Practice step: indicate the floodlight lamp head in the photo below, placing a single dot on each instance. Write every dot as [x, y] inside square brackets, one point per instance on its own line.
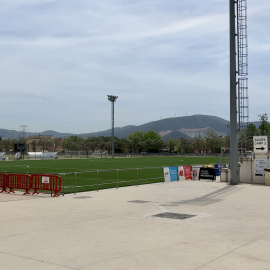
[112, 98]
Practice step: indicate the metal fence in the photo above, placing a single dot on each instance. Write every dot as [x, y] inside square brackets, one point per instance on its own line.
[75, 182]
[52, 155]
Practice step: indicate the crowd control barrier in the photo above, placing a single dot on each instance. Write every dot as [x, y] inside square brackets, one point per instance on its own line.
[3, 182]
[46, 182]
[19, 181]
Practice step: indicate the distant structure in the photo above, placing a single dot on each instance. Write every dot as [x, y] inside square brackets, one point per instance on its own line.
[23, 129]
[112, 99]
[238, 80]
[39, 143]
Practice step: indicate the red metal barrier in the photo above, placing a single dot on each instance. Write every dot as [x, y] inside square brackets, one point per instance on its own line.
[19, 181]
[3, 182]
[47, 182]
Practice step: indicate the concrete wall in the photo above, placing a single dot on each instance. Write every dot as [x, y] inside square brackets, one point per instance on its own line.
[247, 171]
[224, 175]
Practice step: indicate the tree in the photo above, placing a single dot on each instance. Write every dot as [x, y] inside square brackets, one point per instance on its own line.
[149, 141]
[105, 143]
[251, 131]
[73, 143]
[92, 143]
[8, 144]
[199, 143]
[136, 141]
[57, 143]
[212, 141]
[121, 145]
[153, 142]
[225, 141]
[264, 127]
[172, 145]
[45, 145]
[34, 145]
[246, 137]
[185, 145]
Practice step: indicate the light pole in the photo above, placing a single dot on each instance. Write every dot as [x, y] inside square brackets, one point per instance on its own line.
[233, 98]
[112, 99]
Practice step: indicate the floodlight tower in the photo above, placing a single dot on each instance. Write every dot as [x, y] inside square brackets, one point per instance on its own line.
[112, 99]
[24, 129]
[238, 81]
[233, 100]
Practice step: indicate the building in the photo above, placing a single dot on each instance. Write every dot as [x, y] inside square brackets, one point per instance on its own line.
[40, 143]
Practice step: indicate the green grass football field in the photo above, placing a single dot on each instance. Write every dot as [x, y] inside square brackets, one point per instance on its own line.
[93, 174]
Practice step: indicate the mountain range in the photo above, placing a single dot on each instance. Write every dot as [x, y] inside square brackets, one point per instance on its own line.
[175, 127]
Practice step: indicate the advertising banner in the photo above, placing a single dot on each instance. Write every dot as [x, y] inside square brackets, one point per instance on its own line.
[170, 173]
[181, 173]
[207, 173]
[195, 172]
[174, 173]
[187, 172]
[184, 172]
[166, 173]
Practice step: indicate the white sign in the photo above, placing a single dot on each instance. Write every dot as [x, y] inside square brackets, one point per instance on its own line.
[181, 173]
[45, 180]
[166, 172]
[195, 170]
[260, 165]
[260, 144]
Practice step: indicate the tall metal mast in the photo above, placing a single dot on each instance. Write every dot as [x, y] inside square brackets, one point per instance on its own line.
[238, 35]
[233, 99]
[112, 99]
[24, 129]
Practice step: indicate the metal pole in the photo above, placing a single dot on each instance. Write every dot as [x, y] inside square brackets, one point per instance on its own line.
[163, 175]
[117, 178]
[112, 129]
[233, 99]
[112, 99]
[137, 177]
[97, 178]
[64, 184]
[75, 183]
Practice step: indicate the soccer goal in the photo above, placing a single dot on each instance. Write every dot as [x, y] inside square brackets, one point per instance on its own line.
[103, 154]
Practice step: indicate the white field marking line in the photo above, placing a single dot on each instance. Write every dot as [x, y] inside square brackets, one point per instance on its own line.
[164, 209]
[202, 215]
[14, 166]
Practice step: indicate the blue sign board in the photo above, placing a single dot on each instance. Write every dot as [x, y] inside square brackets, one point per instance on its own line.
[174, 173]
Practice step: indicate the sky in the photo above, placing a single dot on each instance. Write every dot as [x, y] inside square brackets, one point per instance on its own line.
[162, 58]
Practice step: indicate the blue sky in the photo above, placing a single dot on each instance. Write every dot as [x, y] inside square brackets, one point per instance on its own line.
[61, 58]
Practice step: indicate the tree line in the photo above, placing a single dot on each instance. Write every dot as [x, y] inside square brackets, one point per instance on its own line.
[149, 142]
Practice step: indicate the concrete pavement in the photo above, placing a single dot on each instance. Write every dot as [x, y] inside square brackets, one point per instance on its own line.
[117, 229]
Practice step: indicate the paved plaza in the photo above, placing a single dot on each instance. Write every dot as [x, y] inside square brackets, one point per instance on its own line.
[177, 225]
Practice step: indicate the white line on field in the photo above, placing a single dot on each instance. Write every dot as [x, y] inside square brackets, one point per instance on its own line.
[162, 207]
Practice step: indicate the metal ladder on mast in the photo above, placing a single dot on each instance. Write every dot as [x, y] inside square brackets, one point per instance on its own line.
[243, 104]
